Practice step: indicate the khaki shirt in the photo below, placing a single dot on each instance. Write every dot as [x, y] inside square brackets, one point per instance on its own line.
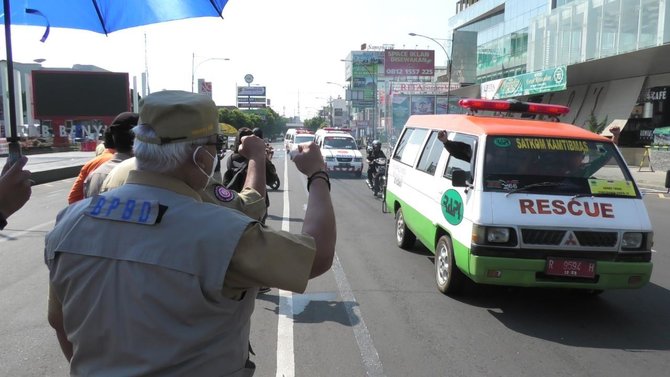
[248, 201]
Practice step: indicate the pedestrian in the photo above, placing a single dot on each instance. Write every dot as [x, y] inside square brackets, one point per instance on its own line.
[164, 284]
[248, 201]
[77, 191]
[122, 134]
[15, 188]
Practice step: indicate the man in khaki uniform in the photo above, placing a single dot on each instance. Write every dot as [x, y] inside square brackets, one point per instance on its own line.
[250, 201]
[163, 283]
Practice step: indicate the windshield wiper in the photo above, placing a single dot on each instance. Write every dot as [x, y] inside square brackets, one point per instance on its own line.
[581, 196]
[534, 185]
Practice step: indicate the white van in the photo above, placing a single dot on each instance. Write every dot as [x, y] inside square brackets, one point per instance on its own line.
[517, 202]
[297, 136]
[339, 150]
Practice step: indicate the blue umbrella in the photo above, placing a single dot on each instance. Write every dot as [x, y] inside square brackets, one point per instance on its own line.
[100, 16]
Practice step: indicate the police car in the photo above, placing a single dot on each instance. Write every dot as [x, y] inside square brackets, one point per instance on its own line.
[340, 151]
[509, 201]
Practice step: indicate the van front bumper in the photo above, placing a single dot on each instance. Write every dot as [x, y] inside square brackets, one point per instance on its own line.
[531, 273]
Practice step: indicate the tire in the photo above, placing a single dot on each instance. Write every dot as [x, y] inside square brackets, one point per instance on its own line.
[448, 277]
[403, 236]
[384, 207]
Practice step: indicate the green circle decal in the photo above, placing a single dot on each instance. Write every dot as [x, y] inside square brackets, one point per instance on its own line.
[452, 207]
[502, 142]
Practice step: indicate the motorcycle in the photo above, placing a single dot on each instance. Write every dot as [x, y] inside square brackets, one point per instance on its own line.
[378, 184]
[271, 177]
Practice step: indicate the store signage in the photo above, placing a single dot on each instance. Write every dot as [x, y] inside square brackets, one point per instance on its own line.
[548, 80]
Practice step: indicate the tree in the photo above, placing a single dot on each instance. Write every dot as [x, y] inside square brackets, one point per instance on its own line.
[594, 126]
[315, 123]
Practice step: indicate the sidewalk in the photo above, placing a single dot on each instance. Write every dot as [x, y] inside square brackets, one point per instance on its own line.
[648, 179]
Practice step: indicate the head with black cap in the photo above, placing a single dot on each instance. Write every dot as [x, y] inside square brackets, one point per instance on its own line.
[121, 131]
[177, 136]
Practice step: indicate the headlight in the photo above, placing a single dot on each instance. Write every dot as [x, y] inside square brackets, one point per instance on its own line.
[631, 240]
[483, 235]
[358, 159]
[330, 158]
[497, 235]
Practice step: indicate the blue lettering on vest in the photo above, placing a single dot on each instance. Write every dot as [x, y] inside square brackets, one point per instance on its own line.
[98, 205]
[112, 206]
[128, 210]
[144, 214]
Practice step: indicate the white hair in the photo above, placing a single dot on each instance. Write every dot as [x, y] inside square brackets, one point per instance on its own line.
[161, 158]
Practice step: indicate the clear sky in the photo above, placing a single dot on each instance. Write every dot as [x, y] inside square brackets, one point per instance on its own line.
[293, 47]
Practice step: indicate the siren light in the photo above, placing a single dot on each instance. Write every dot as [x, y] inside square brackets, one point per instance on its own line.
[513, 106]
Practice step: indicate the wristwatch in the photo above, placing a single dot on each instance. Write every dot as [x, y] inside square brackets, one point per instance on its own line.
[3, 221]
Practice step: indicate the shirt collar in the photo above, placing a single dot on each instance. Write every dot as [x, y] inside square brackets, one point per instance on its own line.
[162, 181]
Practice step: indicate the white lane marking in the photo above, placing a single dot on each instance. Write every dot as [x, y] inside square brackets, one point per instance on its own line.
[285, 353]
[369, 354]
[13, 236]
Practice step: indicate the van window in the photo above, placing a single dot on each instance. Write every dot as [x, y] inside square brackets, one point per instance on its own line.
[455, 163]
[409, 145]
[431, 154]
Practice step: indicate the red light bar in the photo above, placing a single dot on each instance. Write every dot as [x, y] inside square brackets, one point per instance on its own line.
[513, 106]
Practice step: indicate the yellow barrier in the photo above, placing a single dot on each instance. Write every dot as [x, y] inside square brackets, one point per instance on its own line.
[646, 156]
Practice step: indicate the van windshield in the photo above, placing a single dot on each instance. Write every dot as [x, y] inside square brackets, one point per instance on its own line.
[555, 166]
[299, 139]
[339, 142]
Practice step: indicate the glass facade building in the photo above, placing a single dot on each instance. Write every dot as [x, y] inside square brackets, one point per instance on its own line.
[583, 30]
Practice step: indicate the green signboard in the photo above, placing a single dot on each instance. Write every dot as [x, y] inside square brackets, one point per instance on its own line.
[548, 80]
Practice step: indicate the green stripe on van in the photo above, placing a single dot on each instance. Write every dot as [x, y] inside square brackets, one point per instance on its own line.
[426, 232]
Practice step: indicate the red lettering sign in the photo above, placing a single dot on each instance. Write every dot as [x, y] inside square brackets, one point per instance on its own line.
[560, 207]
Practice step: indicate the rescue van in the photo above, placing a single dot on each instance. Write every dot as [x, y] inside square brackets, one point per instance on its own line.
[297, 136]
[518, 202]
[339, 150]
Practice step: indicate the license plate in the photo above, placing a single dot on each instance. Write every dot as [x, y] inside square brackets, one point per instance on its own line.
[577, 268]
[344, 165]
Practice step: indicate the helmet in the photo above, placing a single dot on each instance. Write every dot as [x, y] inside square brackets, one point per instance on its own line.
[258, 132]
[376, 144]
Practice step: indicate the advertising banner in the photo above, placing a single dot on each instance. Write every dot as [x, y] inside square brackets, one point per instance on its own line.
[251, 91]
[400, 112]
[421, 87]
[422, 105]
[548, 80]
[409, 63]
[441, 105]
[364, 85]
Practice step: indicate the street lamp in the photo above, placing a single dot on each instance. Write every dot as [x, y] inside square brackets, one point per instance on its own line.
[448, 65]
[194, 67]
[374, 96]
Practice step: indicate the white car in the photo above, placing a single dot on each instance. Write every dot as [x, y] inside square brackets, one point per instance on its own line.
[340, 152]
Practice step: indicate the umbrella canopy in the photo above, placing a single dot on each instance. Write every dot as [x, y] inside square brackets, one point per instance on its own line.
[100, 16]
[106, 16]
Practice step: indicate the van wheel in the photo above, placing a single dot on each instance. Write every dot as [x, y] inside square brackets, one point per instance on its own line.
[403, 236]
[449, 278]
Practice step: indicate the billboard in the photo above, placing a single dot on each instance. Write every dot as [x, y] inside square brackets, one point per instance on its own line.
[409, 63]
[258, 91]
[79, 93]
[422, 105]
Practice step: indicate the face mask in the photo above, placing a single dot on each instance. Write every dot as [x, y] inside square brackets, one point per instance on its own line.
[215, 159]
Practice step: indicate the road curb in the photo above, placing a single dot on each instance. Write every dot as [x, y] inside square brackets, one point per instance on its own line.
[46, 176]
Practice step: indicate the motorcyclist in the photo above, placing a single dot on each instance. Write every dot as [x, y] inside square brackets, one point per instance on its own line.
[374, 153]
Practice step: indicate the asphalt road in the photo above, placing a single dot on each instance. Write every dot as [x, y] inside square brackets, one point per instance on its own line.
[377, 312]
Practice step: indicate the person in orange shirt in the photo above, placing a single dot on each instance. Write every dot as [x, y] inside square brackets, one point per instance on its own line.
[77, 191]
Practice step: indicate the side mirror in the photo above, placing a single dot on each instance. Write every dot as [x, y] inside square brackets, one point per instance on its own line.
[459, 178]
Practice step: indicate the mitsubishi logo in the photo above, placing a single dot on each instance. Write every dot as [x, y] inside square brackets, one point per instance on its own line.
[570, 240]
